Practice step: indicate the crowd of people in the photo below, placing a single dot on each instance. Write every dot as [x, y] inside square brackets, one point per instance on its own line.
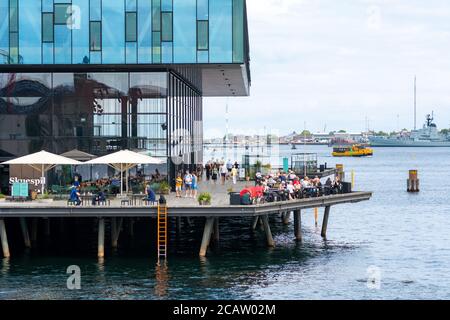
[288, 186]
[216, 170]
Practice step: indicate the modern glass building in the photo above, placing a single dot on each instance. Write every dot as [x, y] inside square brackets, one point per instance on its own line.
[105, 75]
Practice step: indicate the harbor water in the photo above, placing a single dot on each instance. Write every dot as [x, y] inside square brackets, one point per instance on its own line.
[395, 246]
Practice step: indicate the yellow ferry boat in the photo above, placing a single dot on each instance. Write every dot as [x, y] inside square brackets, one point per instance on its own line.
[355, 150]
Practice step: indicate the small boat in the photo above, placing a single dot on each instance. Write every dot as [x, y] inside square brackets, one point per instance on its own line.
[294, 147]
[355, 150]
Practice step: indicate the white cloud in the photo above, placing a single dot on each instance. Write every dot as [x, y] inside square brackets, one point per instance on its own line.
[337, 62]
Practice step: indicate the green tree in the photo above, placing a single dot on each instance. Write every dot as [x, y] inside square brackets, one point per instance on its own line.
[306, 133]
[342, 131]
[445, 131]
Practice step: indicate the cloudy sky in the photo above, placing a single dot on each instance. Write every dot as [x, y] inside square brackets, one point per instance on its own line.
[332, 64]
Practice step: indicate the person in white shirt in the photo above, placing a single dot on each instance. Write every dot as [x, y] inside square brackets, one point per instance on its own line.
[223, 173]
[234, 174]
[291, 189]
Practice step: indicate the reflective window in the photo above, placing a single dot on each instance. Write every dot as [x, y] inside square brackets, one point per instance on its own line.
[63, 45]
[220, 28]
[156, 15]
[47, 5]
[130, 5]
[4, 31]
[63, 14]
[30, 26]
[202, 9]
[238, 31]
[80, 33]
[95, 36]
[113, 35]
[202, 35]
[184, 31]
[166, 5]
[131, 27]
[47, 27]
[95, 10]
[156, 43]
[144, 32]
[166, 26]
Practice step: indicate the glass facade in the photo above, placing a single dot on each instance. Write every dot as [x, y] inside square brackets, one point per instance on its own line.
[153, 112]
[105, 75]
[122, 31]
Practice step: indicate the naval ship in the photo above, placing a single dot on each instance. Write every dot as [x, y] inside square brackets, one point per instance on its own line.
[428, 136]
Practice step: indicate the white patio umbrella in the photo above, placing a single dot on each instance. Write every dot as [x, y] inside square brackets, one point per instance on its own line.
[123, 161]
[42, 161]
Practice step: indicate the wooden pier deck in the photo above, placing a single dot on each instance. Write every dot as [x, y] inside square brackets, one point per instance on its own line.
[177, 208]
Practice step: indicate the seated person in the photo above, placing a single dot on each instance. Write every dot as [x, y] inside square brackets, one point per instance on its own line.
[290, 189]
[99, 197]
[246, 198]
[151, 196]
[336, 185]
[75, 196]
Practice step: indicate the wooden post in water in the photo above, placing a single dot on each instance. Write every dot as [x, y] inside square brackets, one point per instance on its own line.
[216, 230]
[117, 233]
[178, 223]
[209, 224]
[298, 225]
[34, 230]
[413, 181]
[47, 227]
[316, 216]
[101, 238]
[325, 221]
[265, 220]
[4, 239]
[113, 232]
[255, 223]
[26, 235]
[287, 216]
[131, 227]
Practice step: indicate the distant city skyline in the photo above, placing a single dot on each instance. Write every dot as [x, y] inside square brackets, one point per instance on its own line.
[339, 65]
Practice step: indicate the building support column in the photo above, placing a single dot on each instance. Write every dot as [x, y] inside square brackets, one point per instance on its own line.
[4, 239]
[101, 238]
[298, 225]
[265, 220]
[325, 221]
[25, 234]
[209, 224]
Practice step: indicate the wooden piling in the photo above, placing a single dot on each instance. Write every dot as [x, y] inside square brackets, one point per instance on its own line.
[325, 221]
[113, 232]
[209, 224]
[216, 230]
[287, 216]
[116, 233]
[47, 227]
[4, 239]
[298, 225]
[255, 222]
[178, 223]
[34, 229]
[413, 182]
[101, 238]
[316, 216]
[131, 227]
[25, 234]
[269, 237]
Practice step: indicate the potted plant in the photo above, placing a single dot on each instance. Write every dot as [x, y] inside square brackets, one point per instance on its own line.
[204, 199]
[44, 198]
[164, 187]
[2, 197]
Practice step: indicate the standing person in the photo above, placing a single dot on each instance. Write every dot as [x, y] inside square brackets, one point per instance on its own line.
[215, 173]
[188, 184]
[236, 165]
[234, 174]
[194, 185]
[208, 170]
[178, 185]
[223, 173]
[229, 166]
[75, 196]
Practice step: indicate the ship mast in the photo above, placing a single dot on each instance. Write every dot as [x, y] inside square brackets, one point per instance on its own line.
[415, 103]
